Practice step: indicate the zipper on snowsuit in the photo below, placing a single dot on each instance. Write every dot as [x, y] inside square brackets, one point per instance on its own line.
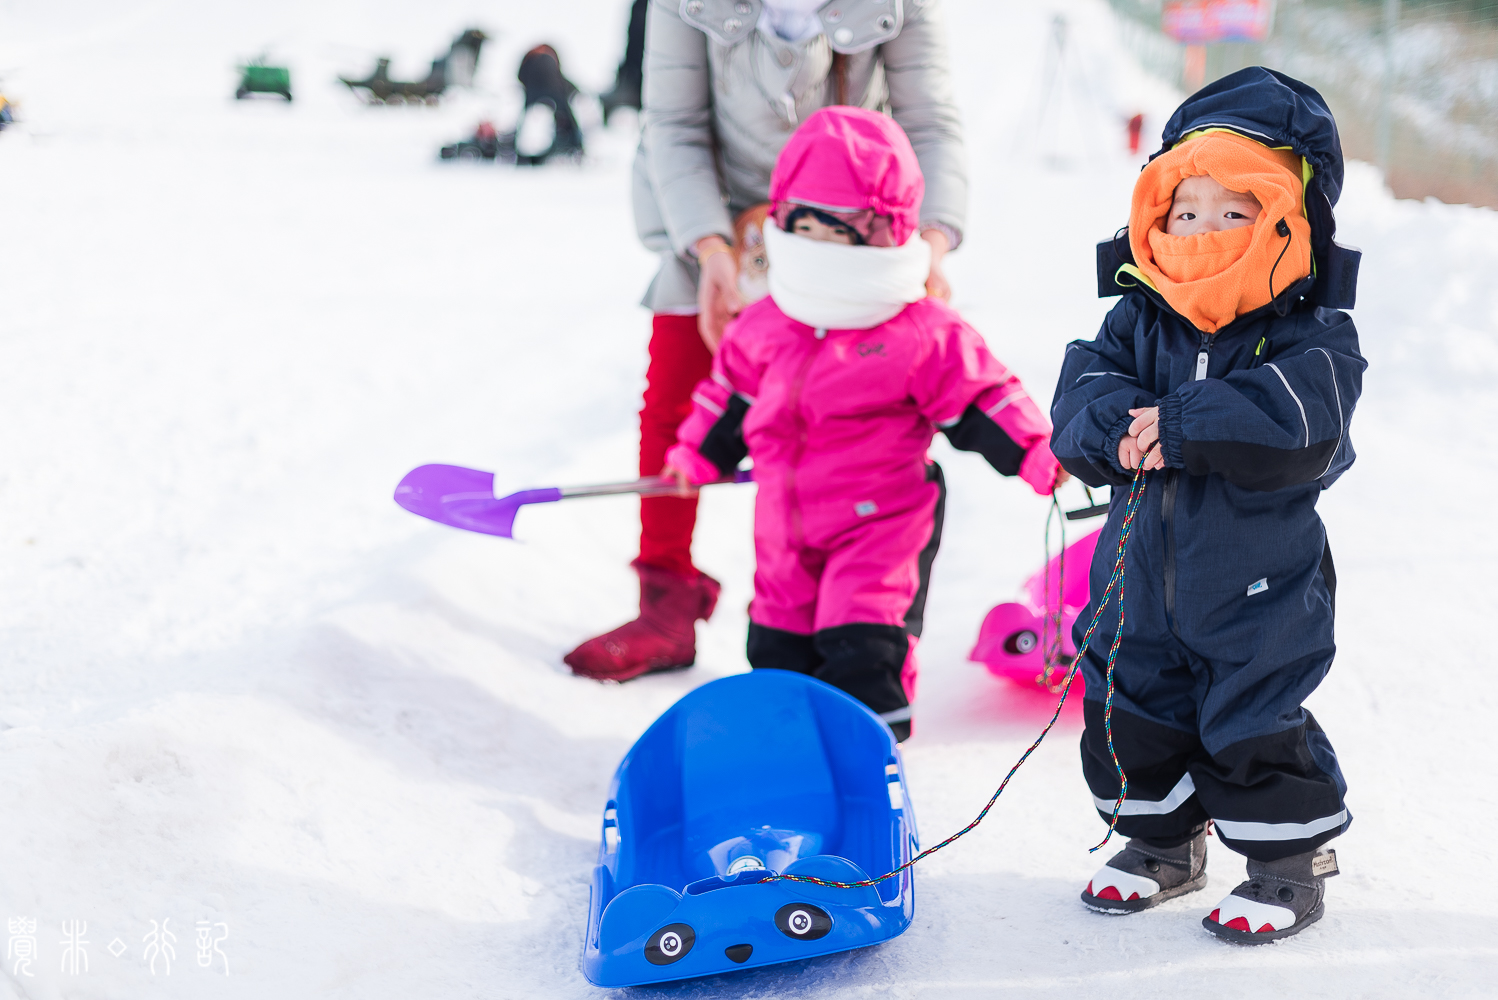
[1168, 501]
[1167, 526]
[1261, 353]
[793, 497]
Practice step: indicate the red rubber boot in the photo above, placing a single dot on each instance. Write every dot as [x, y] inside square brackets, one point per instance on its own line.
[664, 637]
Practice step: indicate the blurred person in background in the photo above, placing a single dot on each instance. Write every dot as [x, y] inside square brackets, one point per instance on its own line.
[540, 74]
[626, 90]
[726, 82]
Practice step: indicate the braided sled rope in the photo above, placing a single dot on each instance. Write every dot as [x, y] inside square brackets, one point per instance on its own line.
[1050, 628]
[1136, 494]
[1131, 507]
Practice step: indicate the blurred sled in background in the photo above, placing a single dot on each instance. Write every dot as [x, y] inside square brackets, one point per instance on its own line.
[455, 69]
[486, 143]
[256, 77]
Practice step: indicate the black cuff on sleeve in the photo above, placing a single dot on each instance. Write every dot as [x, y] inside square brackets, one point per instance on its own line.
[976, 431]
[724, 445]
[1169, 429]
[1117, 433]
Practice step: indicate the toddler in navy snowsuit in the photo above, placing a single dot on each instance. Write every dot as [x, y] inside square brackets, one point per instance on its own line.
[1229, 373]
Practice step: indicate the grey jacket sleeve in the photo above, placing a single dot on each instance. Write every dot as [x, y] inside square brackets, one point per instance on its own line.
[678, 133]
[920, 98]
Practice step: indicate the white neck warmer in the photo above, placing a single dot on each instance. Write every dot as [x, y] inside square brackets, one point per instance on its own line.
[838, 287]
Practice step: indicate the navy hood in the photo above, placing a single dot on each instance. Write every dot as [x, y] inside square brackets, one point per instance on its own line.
[1278, 110]
[1273, 108]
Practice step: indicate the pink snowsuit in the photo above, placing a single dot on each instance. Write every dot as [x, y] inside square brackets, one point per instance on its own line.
[838, 423]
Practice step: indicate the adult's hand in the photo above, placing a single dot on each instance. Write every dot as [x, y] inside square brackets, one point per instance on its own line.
[717, 289]
[936, 281]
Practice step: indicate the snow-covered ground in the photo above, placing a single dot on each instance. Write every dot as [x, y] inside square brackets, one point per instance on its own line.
[241, 686]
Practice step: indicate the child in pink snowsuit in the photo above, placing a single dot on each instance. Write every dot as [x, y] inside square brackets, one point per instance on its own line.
[835, 385]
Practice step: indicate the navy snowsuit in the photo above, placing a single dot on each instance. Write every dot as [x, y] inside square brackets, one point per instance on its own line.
[1230, 587]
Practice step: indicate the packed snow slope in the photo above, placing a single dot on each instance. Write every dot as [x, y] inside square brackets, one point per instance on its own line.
[241, 686]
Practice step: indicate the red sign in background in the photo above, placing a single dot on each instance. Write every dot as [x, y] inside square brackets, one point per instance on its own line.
[1203, 22]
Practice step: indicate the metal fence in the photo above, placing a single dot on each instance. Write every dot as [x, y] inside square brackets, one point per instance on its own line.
[1413, 83]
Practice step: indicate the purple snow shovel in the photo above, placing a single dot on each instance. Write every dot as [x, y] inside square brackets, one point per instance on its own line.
[464, 498]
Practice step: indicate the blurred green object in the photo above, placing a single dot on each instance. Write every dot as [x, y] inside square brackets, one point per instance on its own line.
[258, 78]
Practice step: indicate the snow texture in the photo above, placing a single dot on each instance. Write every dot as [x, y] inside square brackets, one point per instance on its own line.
[240, 685]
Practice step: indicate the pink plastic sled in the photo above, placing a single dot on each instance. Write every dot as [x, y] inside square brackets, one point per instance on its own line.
[1010, 641]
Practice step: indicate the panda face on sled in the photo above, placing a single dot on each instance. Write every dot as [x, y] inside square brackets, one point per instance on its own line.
[652, 933]
[798, 921]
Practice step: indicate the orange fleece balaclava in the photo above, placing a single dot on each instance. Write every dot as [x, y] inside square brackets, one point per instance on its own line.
[1213, 278]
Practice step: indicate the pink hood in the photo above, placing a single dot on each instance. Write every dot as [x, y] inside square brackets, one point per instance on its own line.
[846, 159]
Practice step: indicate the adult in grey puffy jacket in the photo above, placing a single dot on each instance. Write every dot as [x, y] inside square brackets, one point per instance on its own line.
[726, 83]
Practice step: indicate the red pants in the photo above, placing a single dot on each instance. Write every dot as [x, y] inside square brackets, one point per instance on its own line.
[678, 361]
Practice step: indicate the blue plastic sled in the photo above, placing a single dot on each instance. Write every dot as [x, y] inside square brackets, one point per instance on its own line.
[764, 772]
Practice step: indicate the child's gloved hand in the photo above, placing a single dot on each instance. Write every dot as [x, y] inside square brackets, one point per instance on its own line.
[1143, 432]
[1041, 470]
[686, 465]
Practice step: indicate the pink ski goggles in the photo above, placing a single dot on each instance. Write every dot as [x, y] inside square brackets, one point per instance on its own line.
[872, 228]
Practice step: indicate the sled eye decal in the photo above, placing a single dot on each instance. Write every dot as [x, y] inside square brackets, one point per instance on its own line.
[1021, 642]
[669, 944]
[802, 921]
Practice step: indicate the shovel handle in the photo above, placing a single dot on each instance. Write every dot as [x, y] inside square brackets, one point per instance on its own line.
[650, 486]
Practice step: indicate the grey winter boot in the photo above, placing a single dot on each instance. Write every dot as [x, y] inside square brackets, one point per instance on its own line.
[1143, 875]
[1279, 899]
